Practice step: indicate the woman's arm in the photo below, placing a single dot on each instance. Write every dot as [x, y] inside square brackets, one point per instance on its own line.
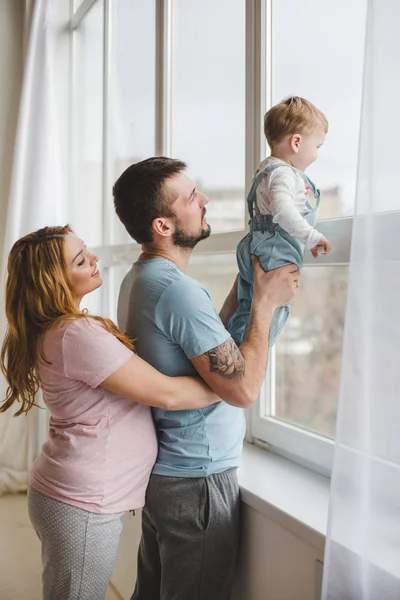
[139, 381]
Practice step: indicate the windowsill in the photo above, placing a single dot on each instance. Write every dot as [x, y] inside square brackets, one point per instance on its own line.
[291, 495]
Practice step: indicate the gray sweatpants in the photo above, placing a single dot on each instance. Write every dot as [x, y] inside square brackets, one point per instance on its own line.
[190, 531]
[79, 548]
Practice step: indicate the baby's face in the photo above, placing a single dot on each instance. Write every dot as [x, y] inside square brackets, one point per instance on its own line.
[307, 149]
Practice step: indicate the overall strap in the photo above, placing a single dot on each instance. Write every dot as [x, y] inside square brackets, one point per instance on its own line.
[315, 190]
[252, 197]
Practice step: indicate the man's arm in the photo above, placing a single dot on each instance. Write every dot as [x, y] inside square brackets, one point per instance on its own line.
[230, 304]
[236, 374]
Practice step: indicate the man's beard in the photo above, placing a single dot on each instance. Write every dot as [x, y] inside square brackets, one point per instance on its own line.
[181, 239]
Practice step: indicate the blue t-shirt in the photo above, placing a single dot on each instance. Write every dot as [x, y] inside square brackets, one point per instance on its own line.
[172, 320]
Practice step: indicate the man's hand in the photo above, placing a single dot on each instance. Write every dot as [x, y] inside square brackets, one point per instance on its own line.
[276, 287]
[324, 245]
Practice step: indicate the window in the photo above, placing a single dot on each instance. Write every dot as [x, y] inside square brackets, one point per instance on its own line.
[87, 138]
[216, 273]
[86, 209]
[173, 78]
[296, 413]
[157, 78]
[208, 103]
[317, 53]
[132, 94]
[308, 355]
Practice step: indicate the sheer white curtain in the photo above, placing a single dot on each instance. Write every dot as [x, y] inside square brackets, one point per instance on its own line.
[362, 560]
[36, 199]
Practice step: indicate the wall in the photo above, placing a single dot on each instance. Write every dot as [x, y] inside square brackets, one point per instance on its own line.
[12, 14]
[124, 575]
[274, 564]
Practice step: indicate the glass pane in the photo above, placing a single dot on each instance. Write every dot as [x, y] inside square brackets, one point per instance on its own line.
[86, 211]
[77, 4]
[318, 53]
[309, 351]
[216, 273]
[115, 277]
[133, 114]
[208, 103]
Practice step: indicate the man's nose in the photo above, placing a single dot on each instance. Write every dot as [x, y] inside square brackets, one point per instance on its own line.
[204, 200]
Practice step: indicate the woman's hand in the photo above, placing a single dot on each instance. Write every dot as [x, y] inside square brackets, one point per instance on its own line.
[140, 382]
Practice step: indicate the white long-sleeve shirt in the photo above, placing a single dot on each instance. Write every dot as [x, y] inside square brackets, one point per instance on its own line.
[283, 194]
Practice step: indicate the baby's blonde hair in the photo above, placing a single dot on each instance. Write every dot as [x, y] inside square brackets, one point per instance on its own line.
[292, 115]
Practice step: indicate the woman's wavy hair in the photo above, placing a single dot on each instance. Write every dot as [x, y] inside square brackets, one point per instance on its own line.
[39, 297]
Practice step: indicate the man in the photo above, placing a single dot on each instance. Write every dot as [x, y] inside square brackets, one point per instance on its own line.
[190, 523]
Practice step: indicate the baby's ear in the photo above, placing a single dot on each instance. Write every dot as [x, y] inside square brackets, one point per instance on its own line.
[295, 140]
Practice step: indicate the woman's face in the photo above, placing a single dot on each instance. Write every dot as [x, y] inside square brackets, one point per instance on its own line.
[82, 266]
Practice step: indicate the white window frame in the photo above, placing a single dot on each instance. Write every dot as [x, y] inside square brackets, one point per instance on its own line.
[309, 449]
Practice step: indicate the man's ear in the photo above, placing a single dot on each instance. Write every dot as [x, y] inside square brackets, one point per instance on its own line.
[295, 142]
[162, 226]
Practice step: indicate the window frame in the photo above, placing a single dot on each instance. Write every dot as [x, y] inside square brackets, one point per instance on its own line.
[309, 449]
[304, 447]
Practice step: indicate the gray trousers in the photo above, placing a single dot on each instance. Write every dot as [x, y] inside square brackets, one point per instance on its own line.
[190, 531]
[79, 548]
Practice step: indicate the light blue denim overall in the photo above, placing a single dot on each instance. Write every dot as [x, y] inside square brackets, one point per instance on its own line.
[274, 247]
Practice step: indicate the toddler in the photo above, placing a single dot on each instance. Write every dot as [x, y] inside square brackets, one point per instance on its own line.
[282, 204]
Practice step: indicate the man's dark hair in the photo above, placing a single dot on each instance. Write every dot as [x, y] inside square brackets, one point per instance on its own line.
[139, 197]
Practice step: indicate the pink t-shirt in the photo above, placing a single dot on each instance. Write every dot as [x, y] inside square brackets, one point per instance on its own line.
[101, 447]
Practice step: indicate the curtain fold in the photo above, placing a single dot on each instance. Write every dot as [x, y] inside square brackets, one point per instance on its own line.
[362, 557]
[36, 199]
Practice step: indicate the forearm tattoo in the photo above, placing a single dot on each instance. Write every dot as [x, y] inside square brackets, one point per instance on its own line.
[226, 360]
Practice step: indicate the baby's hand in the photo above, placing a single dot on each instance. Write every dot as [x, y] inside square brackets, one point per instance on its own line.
[325, 246]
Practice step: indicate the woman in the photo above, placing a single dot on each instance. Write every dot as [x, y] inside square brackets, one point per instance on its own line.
[102, 443]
